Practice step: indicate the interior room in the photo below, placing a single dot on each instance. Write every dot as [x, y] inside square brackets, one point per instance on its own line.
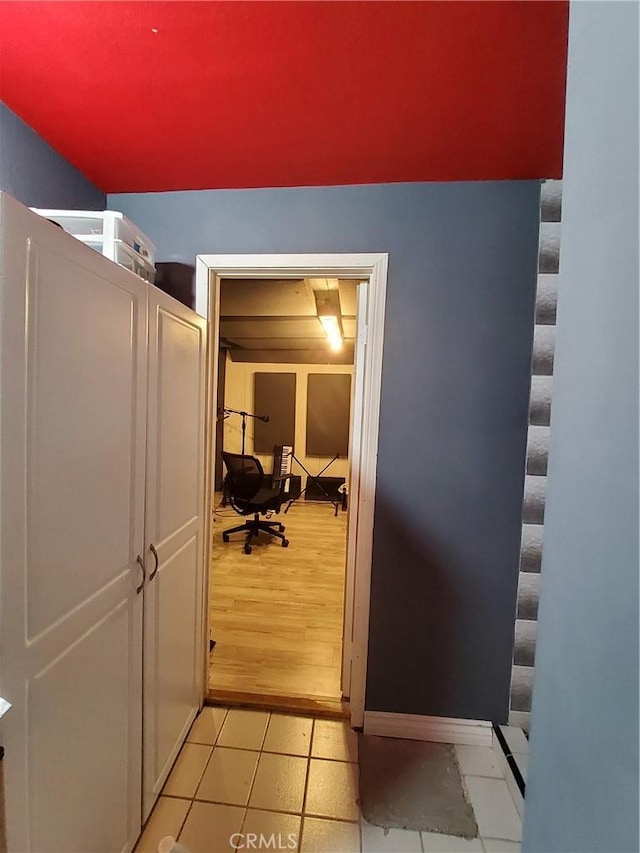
[405, 619]
[286, 360]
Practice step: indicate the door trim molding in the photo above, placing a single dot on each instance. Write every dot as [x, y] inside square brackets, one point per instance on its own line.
[210, 269]
[436, 729]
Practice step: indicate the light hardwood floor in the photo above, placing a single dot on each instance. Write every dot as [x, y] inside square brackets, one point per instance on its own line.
[277, 614]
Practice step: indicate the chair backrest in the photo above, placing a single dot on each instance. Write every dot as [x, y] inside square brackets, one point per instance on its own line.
[246, 476]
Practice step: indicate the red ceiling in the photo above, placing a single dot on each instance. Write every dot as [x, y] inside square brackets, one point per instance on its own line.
[249, 94]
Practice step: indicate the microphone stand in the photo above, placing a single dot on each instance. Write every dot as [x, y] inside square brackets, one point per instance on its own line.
[245, 415]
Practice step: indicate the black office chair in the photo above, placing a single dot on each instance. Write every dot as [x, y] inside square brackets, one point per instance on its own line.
[248, 496]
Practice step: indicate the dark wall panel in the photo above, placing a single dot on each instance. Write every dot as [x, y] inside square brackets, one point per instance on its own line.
[274, 396]
[454, 409]
[328, 407]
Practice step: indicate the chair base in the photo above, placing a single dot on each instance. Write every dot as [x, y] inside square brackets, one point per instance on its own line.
[254, 528]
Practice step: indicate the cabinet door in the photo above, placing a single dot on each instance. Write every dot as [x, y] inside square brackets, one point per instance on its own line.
[72, 426]
[173, 627]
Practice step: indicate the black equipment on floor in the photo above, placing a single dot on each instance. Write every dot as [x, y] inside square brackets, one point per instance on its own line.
[314, 478]
[325, 489]
[248, 495]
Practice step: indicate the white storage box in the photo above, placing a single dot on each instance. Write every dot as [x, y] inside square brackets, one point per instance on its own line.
[126, 257]
[110, 233]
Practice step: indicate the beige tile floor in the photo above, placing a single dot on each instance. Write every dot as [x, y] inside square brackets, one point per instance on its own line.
[251, 780]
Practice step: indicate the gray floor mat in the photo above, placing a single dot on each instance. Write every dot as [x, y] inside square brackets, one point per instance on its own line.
[409, 784]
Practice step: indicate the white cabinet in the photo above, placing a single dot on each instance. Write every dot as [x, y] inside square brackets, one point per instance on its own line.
[101, 397]
[174, 529]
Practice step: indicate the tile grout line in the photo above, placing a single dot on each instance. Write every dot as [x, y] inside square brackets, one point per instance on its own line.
[330, 818]
[495, 837]
[306, 782]
[212, 747]
[173, 766]
[188, 812]
[266, 729]
[485, 776]
[271, 811]
[182, 825]
[503, 778]
[193, 796]
[280, 752]
[255, 774]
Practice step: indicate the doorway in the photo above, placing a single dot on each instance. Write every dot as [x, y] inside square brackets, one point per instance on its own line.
[242, 587]
[284, 397]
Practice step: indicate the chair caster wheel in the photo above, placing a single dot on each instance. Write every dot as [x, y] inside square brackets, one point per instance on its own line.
[281, 528]
[225, 538]
[247, 549]
[285, 543]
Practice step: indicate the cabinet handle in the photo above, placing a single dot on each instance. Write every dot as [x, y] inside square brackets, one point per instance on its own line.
[152, 548]
[144, 574]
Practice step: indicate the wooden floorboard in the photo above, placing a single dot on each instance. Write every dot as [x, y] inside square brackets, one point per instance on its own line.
[277, 613]
[329, 708]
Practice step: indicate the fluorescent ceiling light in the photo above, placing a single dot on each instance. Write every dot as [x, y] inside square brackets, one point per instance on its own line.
[331, 325]
[328, 309]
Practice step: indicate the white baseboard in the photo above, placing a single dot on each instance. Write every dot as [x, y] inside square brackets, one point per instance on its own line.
[437, 729]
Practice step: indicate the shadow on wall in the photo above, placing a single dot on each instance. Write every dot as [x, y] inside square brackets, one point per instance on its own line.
[421, 572]
[178, 280]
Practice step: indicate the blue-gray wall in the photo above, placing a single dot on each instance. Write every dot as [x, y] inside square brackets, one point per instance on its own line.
[582, 793]
[453, 425]
[34, 173]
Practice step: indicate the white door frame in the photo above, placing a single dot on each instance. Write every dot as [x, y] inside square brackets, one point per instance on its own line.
[210, 269]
